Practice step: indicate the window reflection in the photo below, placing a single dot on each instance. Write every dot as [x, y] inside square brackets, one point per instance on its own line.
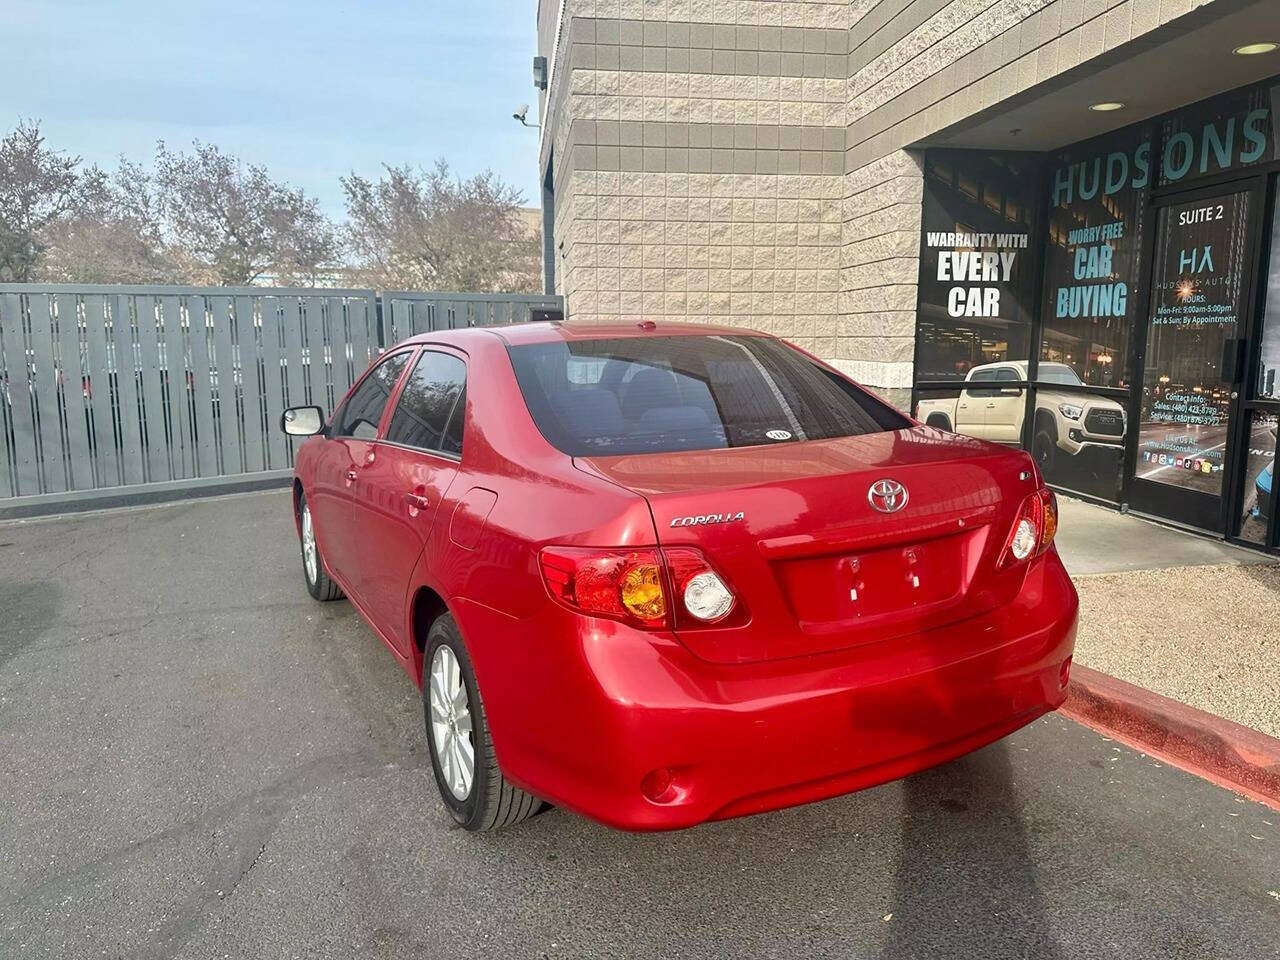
[1259, 477]
[1077, 438]
[1269, 356]
[979, 263]
[1093, 270]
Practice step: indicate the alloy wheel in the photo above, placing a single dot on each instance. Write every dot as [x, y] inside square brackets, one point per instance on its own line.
[450, 714]
[310, 556]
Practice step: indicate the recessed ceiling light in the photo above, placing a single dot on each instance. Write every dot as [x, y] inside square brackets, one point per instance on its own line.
[1106, 106]
[1253, 49]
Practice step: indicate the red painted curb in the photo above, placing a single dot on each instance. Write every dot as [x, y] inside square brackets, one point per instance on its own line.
[1234, 756]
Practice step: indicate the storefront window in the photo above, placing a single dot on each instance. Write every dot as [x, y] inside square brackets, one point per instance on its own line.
[977, 263]
[1093, 256]
[990, 406]
[1131, 248]
[1077, 437]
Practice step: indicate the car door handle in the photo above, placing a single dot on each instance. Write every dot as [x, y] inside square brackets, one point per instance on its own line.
[351, 476]
[417, 501]
[991, 406]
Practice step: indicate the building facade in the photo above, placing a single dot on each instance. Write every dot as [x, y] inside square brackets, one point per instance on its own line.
[1072, 199]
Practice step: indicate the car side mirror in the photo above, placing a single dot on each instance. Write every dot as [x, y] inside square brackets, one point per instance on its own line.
[1010, 391]
[302, 421]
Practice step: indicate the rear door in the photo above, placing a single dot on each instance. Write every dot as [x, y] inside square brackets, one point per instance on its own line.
[971, 408]
[403, 484]
[1005, 407]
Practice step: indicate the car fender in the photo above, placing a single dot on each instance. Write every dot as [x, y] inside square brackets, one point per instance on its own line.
[422, 578]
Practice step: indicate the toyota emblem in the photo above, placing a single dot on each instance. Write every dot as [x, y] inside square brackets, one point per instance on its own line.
[887, 496]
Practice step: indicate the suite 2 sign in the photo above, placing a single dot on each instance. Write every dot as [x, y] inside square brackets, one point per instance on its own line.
[978, 266]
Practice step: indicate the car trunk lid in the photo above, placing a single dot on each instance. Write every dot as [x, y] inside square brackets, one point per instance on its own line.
[791, 528]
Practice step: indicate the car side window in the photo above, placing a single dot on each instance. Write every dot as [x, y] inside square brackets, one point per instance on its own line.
[983, 377]
[1006, 375]
[363, 410]
[429, 413]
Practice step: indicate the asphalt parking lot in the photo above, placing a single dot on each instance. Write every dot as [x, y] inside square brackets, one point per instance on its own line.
[199, 761]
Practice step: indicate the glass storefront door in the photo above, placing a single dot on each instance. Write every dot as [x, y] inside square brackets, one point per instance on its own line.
[1255, 516]
[1194, 357]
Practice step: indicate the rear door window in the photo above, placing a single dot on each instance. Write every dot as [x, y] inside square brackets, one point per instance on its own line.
[661, 394]
[981, 380]
[430, 403]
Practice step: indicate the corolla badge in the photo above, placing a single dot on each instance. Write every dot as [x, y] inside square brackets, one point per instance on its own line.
[887, 496]
[707, 518]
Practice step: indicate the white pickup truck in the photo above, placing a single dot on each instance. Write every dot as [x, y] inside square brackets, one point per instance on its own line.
[1066, 422]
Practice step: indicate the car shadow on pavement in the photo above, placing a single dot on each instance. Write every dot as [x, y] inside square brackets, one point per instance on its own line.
[966, 883]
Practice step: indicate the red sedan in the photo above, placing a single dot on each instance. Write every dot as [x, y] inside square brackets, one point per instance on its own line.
[666, 574]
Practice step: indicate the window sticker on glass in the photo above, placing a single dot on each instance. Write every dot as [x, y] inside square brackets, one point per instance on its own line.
[779, 434]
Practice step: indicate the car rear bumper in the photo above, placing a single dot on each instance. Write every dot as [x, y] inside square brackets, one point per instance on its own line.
[616, 710]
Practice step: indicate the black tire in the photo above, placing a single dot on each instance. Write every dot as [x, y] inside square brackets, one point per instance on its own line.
[317, 580]
[490, 802]
[1044, 447]
[938, 421]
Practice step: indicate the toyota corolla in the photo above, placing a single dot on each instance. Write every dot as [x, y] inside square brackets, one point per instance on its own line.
[666, 574]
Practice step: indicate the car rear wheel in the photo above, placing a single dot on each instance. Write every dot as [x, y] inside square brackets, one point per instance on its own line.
[318, 583]
[462, 756]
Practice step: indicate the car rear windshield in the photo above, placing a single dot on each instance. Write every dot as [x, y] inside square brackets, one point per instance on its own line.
[662, 394]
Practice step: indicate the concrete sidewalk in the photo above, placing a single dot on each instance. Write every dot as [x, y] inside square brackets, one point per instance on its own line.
[1190, 618]
[1093, 540]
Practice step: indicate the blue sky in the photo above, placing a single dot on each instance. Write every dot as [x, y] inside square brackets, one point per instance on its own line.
[310, 88]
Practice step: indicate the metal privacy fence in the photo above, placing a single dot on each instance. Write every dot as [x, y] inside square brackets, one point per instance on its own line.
[106, 388]
[405, 314]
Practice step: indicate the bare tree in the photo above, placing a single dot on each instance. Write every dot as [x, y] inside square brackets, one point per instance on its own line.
[114, 234]
[37, 188]
[424, 229]
[237, 224]
[307, 246]
[206, 217]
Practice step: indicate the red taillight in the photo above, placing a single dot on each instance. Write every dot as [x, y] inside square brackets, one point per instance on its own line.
[618, 584]
[631, 585]
[1034, 528]
[1050, 530]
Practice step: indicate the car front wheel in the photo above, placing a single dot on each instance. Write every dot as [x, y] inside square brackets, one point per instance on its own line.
[1044, 447]
[318, 583]
[462, 756]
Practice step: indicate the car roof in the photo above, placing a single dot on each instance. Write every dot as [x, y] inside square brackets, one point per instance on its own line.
[521, 333]
[560, 332]
[1019, 364]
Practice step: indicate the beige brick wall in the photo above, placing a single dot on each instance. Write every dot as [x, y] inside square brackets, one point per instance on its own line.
[758, 250]
[790, 13]
[703, 169]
